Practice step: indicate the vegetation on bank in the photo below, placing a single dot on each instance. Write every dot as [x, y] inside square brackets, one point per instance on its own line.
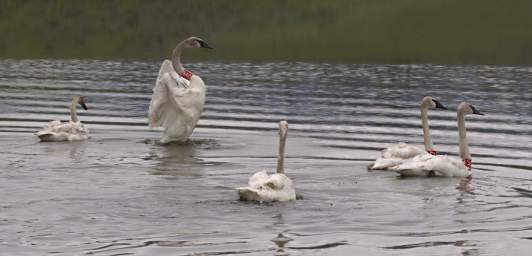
[359, 31]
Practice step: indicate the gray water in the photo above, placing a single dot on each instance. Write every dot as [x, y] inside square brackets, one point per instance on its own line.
[121, 194]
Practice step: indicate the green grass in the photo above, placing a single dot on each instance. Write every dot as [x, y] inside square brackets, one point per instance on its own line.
[363, 31]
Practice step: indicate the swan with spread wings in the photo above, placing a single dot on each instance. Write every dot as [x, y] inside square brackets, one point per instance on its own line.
[178, 96]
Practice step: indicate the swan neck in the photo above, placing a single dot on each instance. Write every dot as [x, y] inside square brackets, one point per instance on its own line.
[464, 147]
[426, 132]
[176, 58]
[280, 156]
[73, 115]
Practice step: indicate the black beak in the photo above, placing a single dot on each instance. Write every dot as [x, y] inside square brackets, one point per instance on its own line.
[438, 104]
[475, 111]
[204, 44]
[84, 106]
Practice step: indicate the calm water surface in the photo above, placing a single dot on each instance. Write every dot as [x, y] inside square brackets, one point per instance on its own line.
[121, 194]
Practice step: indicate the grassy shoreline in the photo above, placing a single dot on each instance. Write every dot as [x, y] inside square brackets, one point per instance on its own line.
[358, 31]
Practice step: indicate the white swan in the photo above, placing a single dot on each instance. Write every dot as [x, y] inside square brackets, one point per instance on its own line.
[73, 130]
[395, 154]
[275, 187]
[178, 96]
[446, 166]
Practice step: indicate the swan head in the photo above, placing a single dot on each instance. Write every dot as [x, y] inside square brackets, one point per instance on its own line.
[468, 109]
[196, 42]
[283, 129]
[81, 102]
[430, 102]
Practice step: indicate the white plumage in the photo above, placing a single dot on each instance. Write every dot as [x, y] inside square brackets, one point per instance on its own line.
[428, 165]
[396, 154]
[68, 131]
[268, 188]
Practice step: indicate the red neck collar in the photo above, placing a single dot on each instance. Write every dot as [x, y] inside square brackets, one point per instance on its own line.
[186, 74]
[467, 163]
[432, 152]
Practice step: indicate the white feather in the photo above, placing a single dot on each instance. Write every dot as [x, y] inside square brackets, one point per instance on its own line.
[428, 165]
[395, 155]
[268, 188]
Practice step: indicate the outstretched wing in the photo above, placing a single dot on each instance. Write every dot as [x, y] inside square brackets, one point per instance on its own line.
[170, 102]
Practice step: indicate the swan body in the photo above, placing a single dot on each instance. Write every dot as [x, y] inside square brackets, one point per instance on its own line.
[268, 188]
[72, 130]
[428, 165]
[264, 187]
[68, 131]
[396, 154]
[178, 96]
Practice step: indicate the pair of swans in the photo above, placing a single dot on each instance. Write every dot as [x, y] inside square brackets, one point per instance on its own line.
[72, 130]
[394, 155]
[411, 161]
[176, 104]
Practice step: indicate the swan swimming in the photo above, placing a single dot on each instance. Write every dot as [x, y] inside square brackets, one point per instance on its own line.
[395, 154]
[71, 131]
[178, 96]
[430, 165]
[270, 188]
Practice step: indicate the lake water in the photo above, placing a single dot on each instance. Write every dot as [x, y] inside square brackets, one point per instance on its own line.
[121, 194]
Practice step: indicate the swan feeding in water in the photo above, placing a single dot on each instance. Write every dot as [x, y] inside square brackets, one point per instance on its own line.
[71, 131]
[430, 165]
[269, 188]
[178, 96]
[395, 154]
